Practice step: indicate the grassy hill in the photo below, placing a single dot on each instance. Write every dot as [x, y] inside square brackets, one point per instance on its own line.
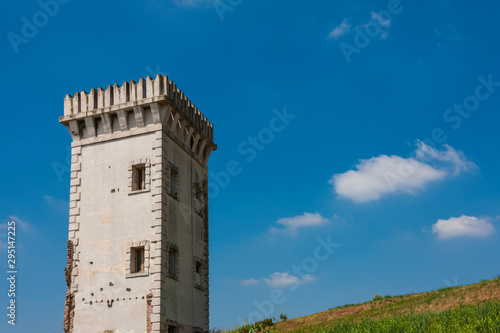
[471, 308]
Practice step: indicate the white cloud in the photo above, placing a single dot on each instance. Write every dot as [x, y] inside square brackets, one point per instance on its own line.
[383, 175]
[453, 161]
[23, 225]
[249, 282]
[192, 3]
[283, 280]
[385, 22]
[462, 226]
[57, 204]
[340, 30]
[292, 224]
[379, 25]
[4, 229]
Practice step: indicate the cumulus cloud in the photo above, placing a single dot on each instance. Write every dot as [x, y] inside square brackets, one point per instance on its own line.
[462, 226]
[249, 282]
[382, 175]
[293, 224]
[340, 30]
[283, 280]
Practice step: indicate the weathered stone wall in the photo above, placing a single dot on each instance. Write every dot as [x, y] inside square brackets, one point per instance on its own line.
[69, 304]
[114, 219]
[186, 229]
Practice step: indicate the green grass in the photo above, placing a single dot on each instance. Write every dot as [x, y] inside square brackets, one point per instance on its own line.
[466, 319]
[453, 309]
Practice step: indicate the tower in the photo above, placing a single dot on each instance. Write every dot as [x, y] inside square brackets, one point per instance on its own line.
[138, 224]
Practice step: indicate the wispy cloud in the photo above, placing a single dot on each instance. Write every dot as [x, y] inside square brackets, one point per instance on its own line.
[384, 22]
[57, 204]
[462, 226]
[452, 161]
[340, 30]
[378, 25]
[383, 175]
[449, 32]
[280, 280]
[283, 280]
[192, 3]
[249, 282]
[20, 224]
[293, 224]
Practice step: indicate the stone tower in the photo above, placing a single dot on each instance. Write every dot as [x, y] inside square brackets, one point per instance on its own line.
[138, 224]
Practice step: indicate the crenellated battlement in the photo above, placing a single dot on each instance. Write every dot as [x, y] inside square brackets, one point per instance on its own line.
[131, 94]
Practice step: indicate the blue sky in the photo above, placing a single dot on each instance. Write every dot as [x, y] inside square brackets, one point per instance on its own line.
[359, 135]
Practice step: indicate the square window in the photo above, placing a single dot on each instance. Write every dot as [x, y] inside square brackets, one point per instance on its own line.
[139, 177]
[137, 260]
[172, 329]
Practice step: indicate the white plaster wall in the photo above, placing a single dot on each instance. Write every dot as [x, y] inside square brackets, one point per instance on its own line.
[109, 222]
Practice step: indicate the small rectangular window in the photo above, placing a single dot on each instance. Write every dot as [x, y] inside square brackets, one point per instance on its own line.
[172, 329]
[172, 262]
[138, 260]
[173, 182]
[198, 267]
[199, 193]
[139, 177]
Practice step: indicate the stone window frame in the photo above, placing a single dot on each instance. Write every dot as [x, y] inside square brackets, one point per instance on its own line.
[129, 259]
[172, 246]
[198, 205]
[146, 163]
[196, 275]
[173, 167]
[172, 326]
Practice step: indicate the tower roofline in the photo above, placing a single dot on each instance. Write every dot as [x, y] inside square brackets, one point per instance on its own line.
[131, 94]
